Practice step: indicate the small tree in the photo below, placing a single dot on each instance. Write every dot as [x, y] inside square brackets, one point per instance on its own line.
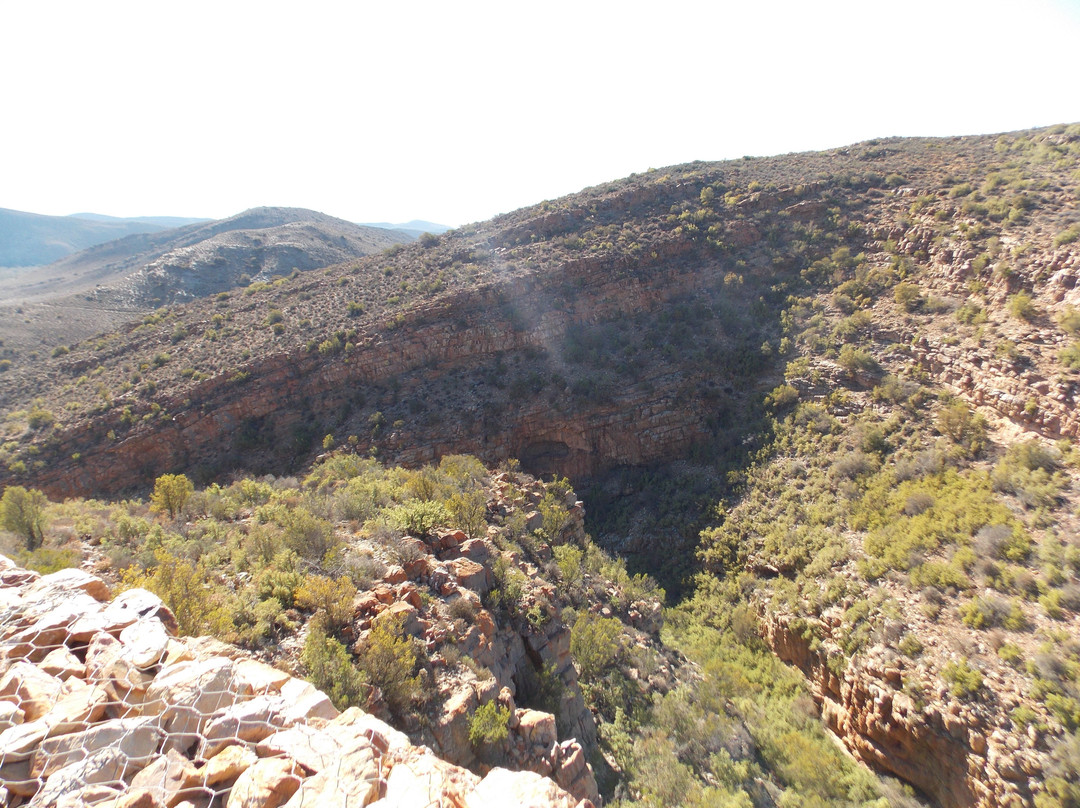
[388, 660]
[184, 588]
[489, 724]
[23, 512]
[330, 668]
[171, 492]
[595, 644]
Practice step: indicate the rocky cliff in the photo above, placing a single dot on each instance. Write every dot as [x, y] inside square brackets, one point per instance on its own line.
[978, 758]
[101, 704]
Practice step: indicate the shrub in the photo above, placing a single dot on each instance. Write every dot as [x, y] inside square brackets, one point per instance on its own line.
[1070, 320]
[309, 536]
[910, 645]
[489, 724]
[782, 397]
[468, 511]
[330, 668]
[50, 559]
[987, 612]
[1067, 236]
[419, 518]
[963, 679]
[185, 589]
[388, 660]
[1021, 306]
[22, 512]
[855, 360]
[907, 296]
[1070, 356]
[595, 644]
[1031, 471]
[328, 597]
[963, 427]
[171, 493]
[40, 418]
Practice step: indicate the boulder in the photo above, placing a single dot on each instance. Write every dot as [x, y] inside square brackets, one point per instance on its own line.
[66, 583]
[260, 677]
[470, 574]
[401, 611]
[169, 778]
[103, 766]
[537, 728]
[145, 642]
[107, 665]
[229, 764]
[244, 722]
[30, 689]
[352, 781]
[10, 715]
[186, 694]
[417, 777]
[303, 700]
[63, 664]
[312, 748]
[268, 783]
[502, 788]
[356, 722]
[138, 739]
[76, 710]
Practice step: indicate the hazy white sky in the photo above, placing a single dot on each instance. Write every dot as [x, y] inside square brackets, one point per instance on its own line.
[456, 111]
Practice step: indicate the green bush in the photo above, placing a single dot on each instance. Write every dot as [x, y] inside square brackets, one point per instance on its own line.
[965, 428]
[963, 679]
[855, 360]
[388, 659]
[489, 724]
[1070, 356]
[595, 644]
[329, 667]
[328, 597]
[1022, 307]
[907, 296]
[171, 492]
[419, 518]
[1069, 320]
[186, 589]
[22, 512]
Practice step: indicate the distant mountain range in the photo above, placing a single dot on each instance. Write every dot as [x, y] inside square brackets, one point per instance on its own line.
[415, 227]
[106, 284]
[31, 239]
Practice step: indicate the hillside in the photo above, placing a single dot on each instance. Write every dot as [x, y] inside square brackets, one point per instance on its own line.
[31, 239]
[828, 399]
[120, 281]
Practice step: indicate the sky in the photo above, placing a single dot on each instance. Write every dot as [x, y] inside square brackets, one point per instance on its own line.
[454, 112]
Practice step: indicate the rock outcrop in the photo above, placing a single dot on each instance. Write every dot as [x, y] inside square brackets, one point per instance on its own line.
[978, 760]
[102, 704]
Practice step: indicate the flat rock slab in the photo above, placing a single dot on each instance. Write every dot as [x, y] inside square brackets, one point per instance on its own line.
[138, 739]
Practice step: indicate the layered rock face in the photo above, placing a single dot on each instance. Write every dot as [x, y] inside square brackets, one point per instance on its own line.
[101, 704]
[957, 753]
[444, 359]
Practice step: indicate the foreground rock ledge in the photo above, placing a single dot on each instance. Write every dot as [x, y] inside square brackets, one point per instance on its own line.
[101, 704]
